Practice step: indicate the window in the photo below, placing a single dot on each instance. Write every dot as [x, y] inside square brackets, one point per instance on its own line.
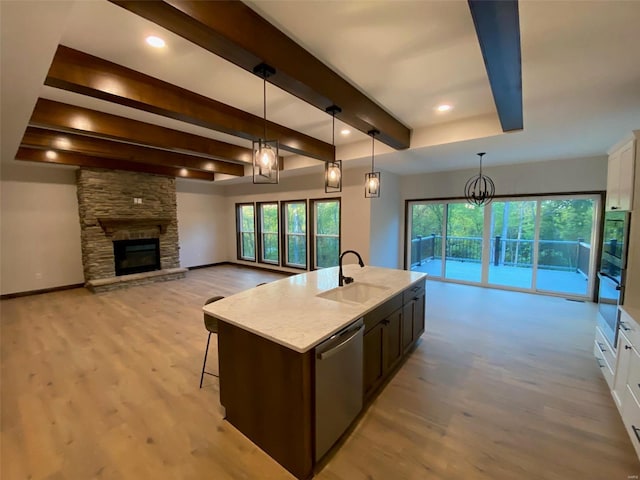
[269, 249]
[246, 228]
[294, 215]
[326, 233]
[306, 238]
[539, 244]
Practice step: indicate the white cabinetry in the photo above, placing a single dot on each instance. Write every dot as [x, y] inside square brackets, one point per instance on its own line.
[626, 383]
[625, 352]
[620, 173]
[605, 356]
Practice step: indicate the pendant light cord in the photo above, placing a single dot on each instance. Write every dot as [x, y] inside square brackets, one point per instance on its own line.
[373, 142]
[264, 96]
[333, 132]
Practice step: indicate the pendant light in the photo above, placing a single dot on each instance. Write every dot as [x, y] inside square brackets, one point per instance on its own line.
[372, 179]
[265, 152]
[333, 170]
[479, 189]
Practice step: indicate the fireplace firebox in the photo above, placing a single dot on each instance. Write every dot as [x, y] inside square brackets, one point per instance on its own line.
[136, 256]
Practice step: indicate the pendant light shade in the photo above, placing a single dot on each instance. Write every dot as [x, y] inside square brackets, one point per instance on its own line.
[333, 170]
[480, 189]
[372, 179]
[266, 168]
[333, 177]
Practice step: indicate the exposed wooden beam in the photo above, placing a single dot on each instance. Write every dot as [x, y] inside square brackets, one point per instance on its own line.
[99, 147]
[80, 160]
[497, 25]
[88, 75]
[65, 117]
[233, 31]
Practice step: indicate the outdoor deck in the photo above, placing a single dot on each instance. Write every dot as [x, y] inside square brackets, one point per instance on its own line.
[557, 281]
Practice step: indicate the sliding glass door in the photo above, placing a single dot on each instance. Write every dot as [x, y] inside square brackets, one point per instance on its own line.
[511, 243]
[533, 244]
[425, 250]
[465, 227]
[566, 227]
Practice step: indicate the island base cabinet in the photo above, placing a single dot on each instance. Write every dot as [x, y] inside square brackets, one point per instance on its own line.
[412, 320]
[393, 350]
[391, 331]
[373, 348]
[267, 392]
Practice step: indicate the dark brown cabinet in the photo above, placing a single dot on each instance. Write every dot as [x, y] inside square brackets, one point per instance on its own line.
[391, 330]
[393, 339]
[413, 316]
[373, 348]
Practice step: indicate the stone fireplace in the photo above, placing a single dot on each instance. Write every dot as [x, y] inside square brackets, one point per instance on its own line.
[129, 228]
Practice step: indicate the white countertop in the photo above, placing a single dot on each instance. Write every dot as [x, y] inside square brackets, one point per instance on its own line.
[634, 313]
[288, 311]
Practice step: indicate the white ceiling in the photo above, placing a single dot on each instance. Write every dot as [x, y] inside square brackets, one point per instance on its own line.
[581, 74]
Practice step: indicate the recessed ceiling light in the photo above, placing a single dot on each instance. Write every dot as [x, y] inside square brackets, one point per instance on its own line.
[51, 155]
[155, 42]
[62, 143]
[345, 131]
[444, 107]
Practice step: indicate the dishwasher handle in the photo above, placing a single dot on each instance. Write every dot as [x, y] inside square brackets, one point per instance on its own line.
[341, 346]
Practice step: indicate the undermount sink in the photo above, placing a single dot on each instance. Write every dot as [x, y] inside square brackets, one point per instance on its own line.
[353, 293]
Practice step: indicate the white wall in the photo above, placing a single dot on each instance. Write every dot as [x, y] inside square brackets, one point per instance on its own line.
[39, 228]
[355, 209]
[574, 175]
[202, 223]
[40, 232]
[386, 224]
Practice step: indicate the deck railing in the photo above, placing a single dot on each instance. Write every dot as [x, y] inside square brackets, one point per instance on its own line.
[552, 254]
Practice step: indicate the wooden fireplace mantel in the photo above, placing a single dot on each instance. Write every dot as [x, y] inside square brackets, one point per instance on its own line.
[113, 224]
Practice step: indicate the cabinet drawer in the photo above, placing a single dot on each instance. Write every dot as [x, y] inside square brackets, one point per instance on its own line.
[633, 380]
[413, 291]
[380, 313]
[630, 328]
[607, 371]
[631, 419]
[605, 349]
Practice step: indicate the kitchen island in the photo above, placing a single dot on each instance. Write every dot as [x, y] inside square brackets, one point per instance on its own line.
[268, 341]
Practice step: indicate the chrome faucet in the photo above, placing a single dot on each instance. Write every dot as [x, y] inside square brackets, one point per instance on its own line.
[341, 278]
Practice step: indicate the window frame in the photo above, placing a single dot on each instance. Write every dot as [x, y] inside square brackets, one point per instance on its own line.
[260, 233]
[239, 232]
[284, 234]
[597, 197]
[312, 228]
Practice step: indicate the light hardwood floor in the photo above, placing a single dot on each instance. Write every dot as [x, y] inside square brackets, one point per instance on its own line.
[502, 386]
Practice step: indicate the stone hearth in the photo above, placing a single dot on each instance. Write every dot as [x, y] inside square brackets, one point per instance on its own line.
[109, 212]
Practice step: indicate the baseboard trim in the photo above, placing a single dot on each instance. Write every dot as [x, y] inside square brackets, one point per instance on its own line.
[265, 269]
[217, 264]
[7, 296]
[252, 267]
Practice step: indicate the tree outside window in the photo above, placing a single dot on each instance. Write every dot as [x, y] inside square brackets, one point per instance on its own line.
[326, 233]
[269, 233]
[246, 232]
[295, 218]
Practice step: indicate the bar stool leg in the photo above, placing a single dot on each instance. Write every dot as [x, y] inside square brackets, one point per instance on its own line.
[204, 364]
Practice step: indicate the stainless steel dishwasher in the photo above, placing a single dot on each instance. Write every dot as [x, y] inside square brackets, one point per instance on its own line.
[338, 384]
